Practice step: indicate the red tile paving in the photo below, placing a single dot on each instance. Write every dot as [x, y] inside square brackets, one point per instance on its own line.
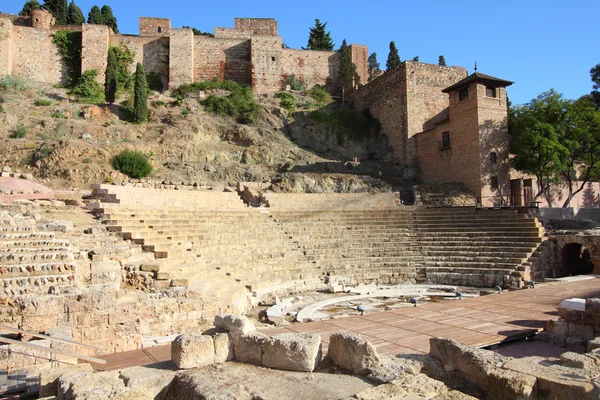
[480, 321]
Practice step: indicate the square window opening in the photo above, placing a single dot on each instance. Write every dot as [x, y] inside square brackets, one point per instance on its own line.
[159, 29]
[446, 140]
[490, 91]
[493, 158]
[494, 182]
[463, 94]
[272, 58]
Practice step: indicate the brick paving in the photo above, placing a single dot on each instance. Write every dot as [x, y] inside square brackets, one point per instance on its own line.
[480, 321]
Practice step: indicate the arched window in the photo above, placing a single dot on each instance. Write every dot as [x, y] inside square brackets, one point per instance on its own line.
[159, 29]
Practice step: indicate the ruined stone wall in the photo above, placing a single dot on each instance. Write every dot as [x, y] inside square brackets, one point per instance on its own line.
[460, 162]
[35, 57]
[222, 58]
[94, 48]
[266, 64]
[152, 52]
[6, 46]
[258, 26]
[385, 97]
[360, 58]
[155, 27]
[313, 67]
[181, 57]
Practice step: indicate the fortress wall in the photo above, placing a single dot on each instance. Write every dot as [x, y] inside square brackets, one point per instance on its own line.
[385, 97]
[152, 52]
[330, 201]
[94, 49]
[222, 58]
[360, 58]
[35, 57]
[258, 26]
[155, 27]
[6, 42]
[266, 64]
[313, 67]
[181, 57]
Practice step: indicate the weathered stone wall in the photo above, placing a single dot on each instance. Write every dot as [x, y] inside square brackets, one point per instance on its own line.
[94, 48]
[155, 27]
[266, 64]
[313, 67]
[258, 26]
[35, 57]
[360, 58]
[152, 52]
[6, 45]
[385, 97]
[181, 62]
[41, 19]
[222, 58]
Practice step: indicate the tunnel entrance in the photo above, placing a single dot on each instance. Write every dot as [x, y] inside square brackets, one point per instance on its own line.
[576, 260]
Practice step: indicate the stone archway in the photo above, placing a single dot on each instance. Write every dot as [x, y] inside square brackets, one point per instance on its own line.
[576, 259]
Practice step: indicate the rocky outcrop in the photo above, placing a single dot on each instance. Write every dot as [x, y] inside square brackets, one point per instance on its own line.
[351, 352]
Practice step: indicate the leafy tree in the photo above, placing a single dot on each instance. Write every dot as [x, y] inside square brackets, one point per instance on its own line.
[595, 73]
[108, 18]
[74, 15]
[28, 6]
[319, 38]
[393, 60]
[198, 32]
[374, 69]
[95, 16]
[140, 92]
[556, 139]
[441, 61]
[58, 8]
[110, 76]
[416, 58]
[581, 139]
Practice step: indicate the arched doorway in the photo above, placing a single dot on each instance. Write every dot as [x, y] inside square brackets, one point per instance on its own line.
[576, 260]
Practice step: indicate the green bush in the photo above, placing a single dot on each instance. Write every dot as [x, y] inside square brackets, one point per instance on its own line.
[185, 111]
[346, 121]
[132, 163]
[42, 102]
[88, 90]
[13, 82]
[58, 115]
[287, 101]
[19, 132]
[321, 96]
[295, 82]
[239, 103]
[159, 103]
[214, 84]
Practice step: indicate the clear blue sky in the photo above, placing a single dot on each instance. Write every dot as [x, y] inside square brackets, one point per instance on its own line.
[537, 44]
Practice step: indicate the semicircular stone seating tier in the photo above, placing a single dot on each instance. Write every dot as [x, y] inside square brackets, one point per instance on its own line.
[211, 242]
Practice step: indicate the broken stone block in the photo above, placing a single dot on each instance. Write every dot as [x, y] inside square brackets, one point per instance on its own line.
[223, 347]
[49, 378]
[192, 350]
[351, 352]
[234, 323]
[593, 344]
[154, 379]
[508, 385]
[248, 347]
[292, 352]
[559, 327]
[578, 345]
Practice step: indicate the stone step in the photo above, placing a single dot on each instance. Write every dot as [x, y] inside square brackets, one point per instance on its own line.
[39, 268]
[21, 258]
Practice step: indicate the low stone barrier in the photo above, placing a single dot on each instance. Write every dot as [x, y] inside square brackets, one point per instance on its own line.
[351, 352]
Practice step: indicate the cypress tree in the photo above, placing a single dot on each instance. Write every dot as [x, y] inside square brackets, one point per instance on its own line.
[319, 39]
[74, 15]
[442, 61]
[110, 82]
[393, 60]
[374, 68]
[58, 8]
[108, 18]
[347, 67]
[28, 6]
[95, 16]
[140, 99]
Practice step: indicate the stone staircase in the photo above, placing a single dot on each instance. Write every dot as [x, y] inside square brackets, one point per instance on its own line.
[33, 261]
[475, 247]
[239, 255]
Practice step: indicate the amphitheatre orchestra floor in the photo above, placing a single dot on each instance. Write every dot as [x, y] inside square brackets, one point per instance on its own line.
[479, 321]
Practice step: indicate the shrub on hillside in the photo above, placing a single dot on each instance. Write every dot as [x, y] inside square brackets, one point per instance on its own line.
[321, 96]
[87, 89]
[294, 82]
[42, 102]
[19, 132]
[13, 82]
[287, 101]
[132, 163]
